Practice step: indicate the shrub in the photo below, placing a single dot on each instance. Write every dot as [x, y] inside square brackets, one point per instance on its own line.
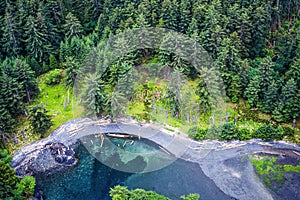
[26, 187]
[244, 134]
[39, 120]
[269, 132]
[229, 132]
[53, 77]
[197, 133]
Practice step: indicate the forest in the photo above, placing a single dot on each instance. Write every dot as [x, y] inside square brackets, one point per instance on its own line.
[254, 44]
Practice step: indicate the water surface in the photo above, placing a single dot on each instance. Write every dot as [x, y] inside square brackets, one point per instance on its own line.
[91, 179]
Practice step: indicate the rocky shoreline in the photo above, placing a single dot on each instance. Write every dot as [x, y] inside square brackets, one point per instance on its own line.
[225, 163]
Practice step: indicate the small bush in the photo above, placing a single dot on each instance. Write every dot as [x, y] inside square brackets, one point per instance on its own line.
[229, 132]
[53, 77]
[197, 133]
[268, 132]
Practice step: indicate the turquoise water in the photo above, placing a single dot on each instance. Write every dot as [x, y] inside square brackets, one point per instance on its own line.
[91, 179]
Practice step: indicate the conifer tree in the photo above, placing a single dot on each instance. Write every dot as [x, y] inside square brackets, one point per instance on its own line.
[11, 32]
[72, 27]
[40, 120]
[288, 107]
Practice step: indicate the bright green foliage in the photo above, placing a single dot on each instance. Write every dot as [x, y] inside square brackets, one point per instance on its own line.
[10, 186]
[270, 171]
[53, 77]
[191, 197]
[53, 64]
[122, 193]
[5, 156]
[26, 186]
[39, 120]
[197, 133]
[8, 181]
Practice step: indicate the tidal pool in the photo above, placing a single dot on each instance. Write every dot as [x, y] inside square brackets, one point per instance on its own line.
[91, 179]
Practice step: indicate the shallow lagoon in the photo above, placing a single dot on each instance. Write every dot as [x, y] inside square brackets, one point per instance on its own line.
[91, 179]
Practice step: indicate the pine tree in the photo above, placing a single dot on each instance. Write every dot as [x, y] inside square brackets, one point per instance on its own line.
[266, 69]
[170, 14]
[26, 80]
[235, 88]
[40, 120]
[37, 38]
[72, 27]
[6, 120]
[213, 28]
[8, 181]
[269, 102]
[252, 92]
[72, 68]
[185, 15]
[203, 94]
[11, 32]
[10, 95]
[53, 64]
[94, 97]
[294, 72]
[229, 63]
[260, 20]
[288, 107]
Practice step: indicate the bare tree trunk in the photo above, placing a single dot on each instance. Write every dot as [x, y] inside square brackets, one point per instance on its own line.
[28, 95]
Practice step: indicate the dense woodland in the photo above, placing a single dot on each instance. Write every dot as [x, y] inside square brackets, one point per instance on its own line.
[254, 44]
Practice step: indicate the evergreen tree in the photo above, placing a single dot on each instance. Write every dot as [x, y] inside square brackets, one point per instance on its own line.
[269, 102]
[266, 74]
[294, 72]
[37, 38]
[229, 64]
[288, 107]
[53, 64]
[72, 27]
[72, 68]
[169, 13]
[203, 94]
[26, 80]
[40, 120]
[214, 31]
[252, 92]
[6, 120]
[260, 20]
[8, 181]
[10, 95]
[185, 15]
[11, 32]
